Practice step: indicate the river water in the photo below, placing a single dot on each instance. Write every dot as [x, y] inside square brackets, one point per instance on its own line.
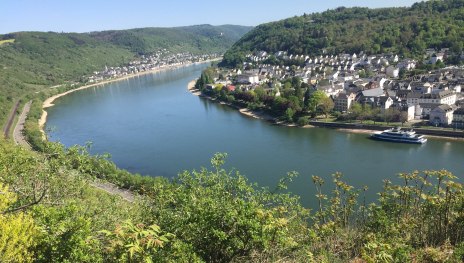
[153, 126]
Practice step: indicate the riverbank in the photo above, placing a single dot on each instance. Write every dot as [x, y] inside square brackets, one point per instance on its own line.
[260, 115]
[345, 127]
[365, 128]
[49, 101]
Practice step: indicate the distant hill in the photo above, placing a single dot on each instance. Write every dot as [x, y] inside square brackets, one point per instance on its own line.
[195, 39]
[35, 60]
[407, 31]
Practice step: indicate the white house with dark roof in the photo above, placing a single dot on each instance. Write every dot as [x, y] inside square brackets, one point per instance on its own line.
[442, 115]
[343, 101]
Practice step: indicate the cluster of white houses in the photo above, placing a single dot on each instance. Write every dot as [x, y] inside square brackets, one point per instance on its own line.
[160, 59]
[439, 102]
[435, 96]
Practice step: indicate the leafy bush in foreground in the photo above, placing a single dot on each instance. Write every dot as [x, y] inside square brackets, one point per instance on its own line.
[213, 215]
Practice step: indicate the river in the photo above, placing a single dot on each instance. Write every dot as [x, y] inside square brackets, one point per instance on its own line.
[153, 126]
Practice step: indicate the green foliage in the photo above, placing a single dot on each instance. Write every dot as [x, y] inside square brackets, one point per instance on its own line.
[289, 113]
[421, 218]
[134, 243]
[302, 121]
[66, 235]
[225, 218]
[315, 100]
[67, 212]
[326, 105]
[406, 31]
[216, 215]
[207, 77]
[17, 230]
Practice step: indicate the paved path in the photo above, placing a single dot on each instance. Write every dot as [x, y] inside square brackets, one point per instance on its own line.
[18, 135]
[113, 189]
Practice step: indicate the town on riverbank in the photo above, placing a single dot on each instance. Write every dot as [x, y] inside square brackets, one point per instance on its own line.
[148, 63]
[346, 90]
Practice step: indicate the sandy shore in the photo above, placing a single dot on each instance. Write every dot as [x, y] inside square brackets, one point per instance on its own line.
[357, 131]
[49, 102]
[192, 89]
[257, 115]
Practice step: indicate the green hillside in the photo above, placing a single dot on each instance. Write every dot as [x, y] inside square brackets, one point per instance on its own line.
[35, 60]
[194, 39]
[407, 31]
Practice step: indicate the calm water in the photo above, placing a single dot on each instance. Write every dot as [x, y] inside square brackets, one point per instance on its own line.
[153, 126]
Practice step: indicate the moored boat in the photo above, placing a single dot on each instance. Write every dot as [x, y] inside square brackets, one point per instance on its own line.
[398, 135]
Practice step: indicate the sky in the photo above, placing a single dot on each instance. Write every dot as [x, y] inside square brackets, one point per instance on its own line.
[97, 15]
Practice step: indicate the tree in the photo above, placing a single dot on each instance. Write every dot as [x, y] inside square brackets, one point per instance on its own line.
[403, 117]
[207, 77]
[279, 105]
[355, 110]
[307, 97]
[326, 105]
[17, 230]
[391, 115]
[295, 103]
[439, 64]
[402, 73]
[260, 93]
[66, 235]
[315, 100]
[289, 113]
[366, 113]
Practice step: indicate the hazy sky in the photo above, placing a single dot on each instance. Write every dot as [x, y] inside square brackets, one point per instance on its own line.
[95, 15]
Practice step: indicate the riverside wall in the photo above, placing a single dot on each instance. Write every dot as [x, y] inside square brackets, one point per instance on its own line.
[433, 132]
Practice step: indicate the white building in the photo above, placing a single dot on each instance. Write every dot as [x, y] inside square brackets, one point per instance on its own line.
[392, 71]
[248, 78]
[442, 115]
[344, 101]
[447, 97]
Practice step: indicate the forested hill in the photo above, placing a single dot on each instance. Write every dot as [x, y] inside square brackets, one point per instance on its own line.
[31, 61]
[407, 31]
[195, 39]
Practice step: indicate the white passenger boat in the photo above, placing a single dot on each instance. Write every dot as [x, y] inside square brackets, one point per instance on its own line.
[398, 135]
